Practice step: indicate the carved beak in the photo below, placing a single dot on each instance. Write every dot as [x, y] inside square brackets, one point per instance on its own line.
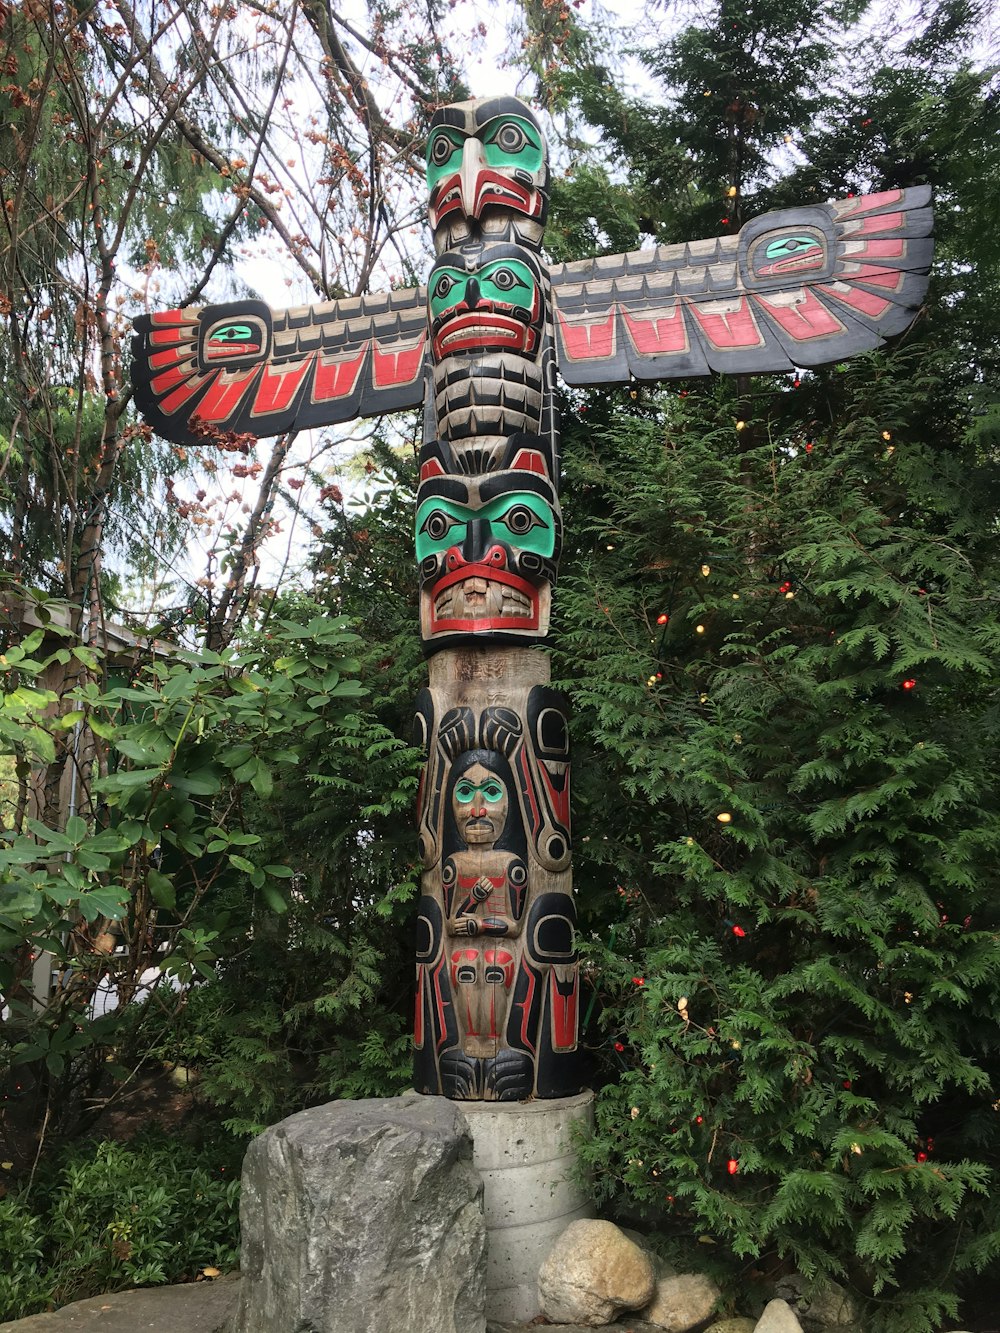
[472, 165]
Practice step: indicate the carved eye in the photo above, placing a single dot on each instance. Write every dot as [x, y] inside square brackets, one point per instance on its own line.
[492, 792]
[443, 286]
[232, 333]
[465, 792]
[438, 524]
[509, 137]
[505, 279]
[519, 520]
[788, 245]
[441, 150]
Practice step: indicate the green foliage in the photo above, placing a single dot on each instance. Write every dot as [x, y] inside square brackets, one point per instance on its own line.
[108, 1216]
[320, 1005]
[803, 987]
[161, 877]
[778, 624]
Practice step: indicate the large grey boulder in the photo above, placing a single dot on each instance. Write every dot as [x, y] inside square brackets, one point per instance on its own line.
[201, 1307]
[360, 1215]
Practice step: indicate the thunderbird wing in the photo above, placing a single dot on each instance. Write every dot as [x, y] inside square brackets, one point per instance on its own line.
[246, 368]
[796, 287]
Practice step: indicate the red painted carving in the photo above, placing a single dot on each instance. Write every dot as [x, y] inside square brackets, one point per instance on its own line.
[730, 328]
[226, 394]
[660, 333]
[589, 340]
[805, 319]
[398, 365]
[279, 386]
[337, 376]
[867, 303]
[563, 1002]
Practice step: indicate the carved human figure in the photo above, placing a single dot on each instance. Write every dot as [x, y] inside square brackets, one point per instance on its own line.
[484, 879]
[497, 972]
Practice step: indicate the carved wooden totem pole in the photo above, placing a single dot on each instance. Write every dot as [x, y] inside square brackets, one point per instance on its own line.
[497, 985]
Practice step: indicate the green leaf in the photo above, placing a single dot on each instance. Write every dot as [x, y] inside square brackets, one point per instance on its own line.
[126, 779]
[273, 899]
[261, 781]
[108, 901]
[203, 782]
[162, 889]
[76, 828]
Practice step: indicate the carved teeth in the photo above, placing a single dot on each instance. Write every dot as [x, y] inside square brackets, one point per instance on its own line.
[479, 595]
[515, 603]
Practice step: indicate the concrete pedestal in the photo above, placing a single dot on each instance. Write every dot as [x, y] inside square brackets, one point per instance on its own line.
[526, 1155]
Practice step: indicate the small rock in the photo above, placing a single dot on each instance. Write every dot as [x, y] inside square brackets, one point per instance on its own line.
[778, 1317]
[627, 1324]
[682, 1302]
[591, 1273]
[740, 1325]
[823, 1302]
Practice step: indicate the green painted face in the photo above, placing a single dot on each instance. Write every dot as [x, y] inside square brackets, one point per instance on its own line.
[507, 142]
[527, 519]
[491, 790]
[504, 281]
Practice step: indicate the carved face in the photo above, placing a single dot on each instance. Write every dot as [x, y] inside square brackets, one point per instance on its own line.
[479, 804]
[487, 173]
[488, 301]
[488, 548]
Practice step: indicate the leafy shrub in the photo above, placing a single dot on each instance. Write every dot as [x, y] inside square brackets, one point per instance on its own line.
[107, 1216]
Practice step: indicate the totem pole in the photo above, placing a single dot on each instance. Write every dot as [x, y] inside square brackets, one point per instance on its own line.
[497, 984]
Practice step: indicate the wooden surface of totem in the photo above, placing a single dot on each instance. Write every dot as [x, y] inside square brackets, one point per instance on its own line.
[497, 976]
[497, 980]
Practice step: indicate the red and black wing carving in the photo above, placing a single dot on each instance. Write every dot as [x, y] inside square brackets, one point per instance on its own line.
[797, 287]
[244, 367]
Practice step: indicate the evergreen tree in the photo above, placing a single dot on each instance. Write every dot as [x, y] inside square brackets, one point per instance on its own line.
[777, 622]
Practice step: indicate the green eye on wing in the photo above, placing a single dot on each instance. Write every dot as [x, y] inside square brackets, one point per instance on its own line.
[232, 333]
[787, 246]
[528, 521]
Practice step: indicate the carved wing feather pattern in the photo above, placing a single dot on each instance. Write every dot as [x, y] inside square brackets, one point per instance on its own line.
[797, 287]
[244, 367]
